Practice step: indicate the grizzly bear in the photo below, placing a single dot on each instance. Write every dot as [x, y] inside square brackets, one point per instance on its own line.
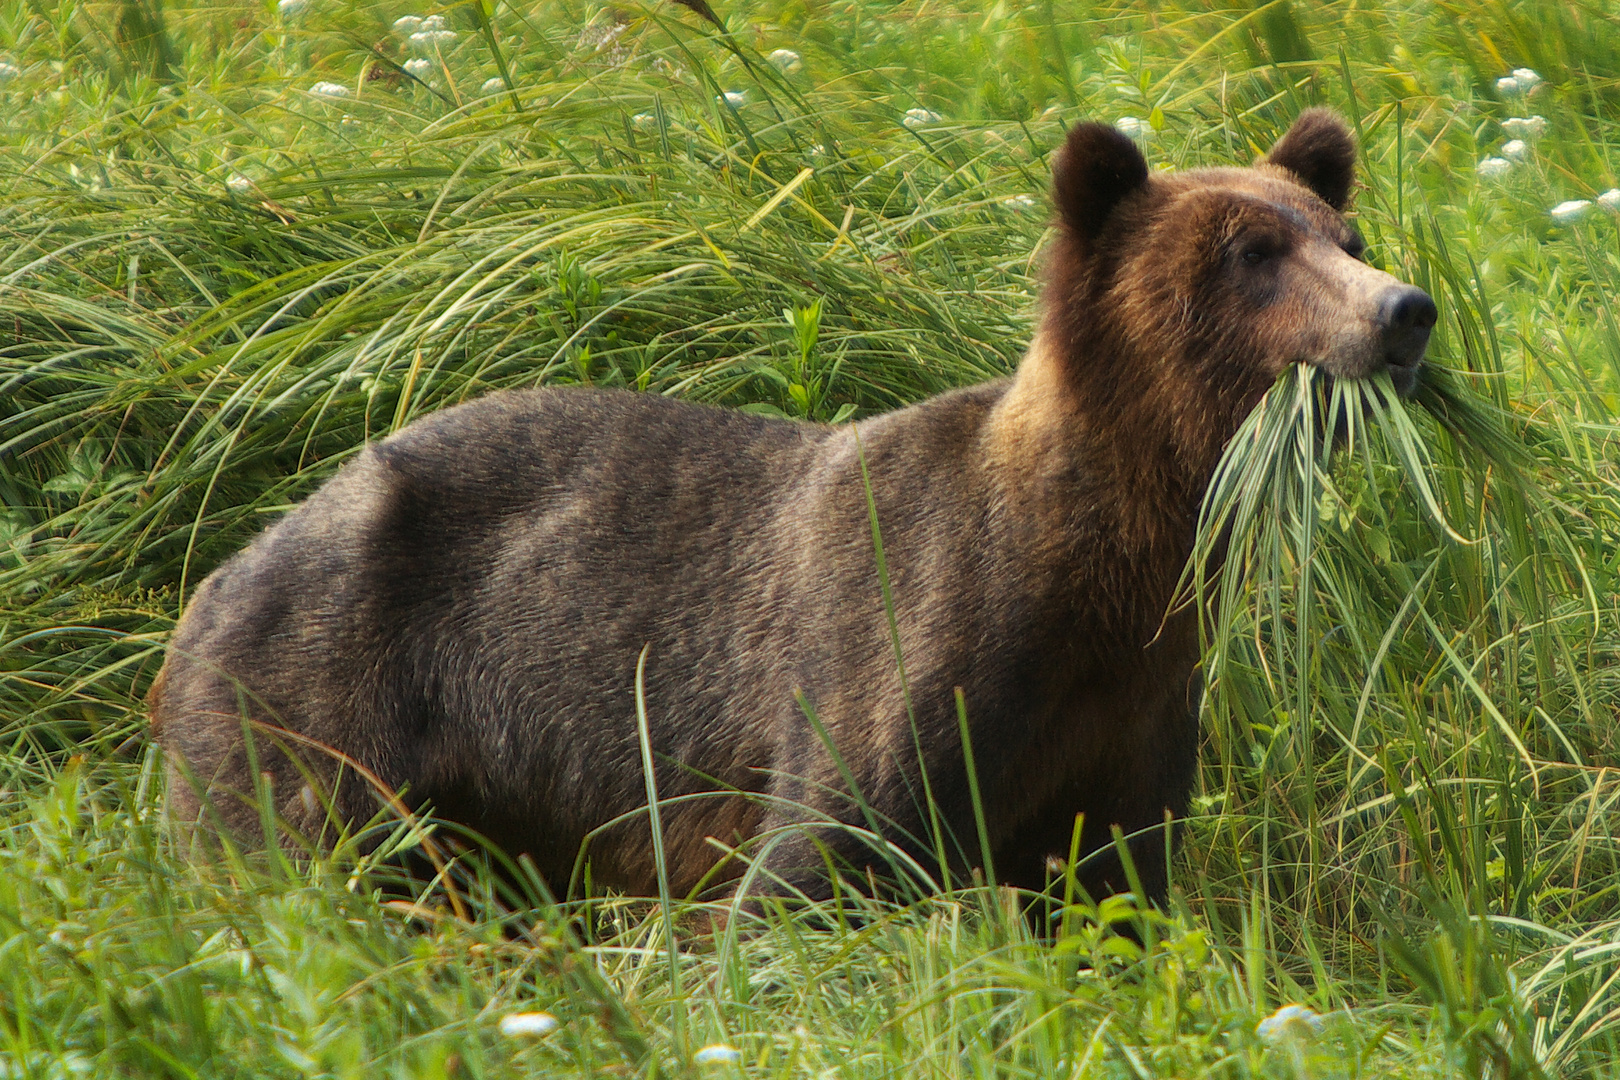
[460, 611]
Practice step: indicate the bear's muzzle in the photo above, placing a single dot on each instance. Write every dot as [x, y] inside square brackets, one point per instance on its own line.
[1406, 315]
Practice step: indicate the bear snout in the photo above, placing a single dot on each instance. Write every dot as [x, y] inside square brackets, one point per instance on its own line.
[1406, 315]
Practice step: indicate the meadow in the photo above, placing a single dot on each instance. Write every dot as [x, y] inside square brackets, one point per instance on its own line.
[237, 240]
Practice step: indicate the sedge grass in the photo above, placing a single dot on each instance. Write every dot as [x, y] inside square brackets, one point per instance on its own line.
[215, 284]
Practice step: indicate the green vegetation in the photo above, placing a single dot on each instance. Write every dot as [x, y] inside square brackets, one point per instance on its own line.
[238, 240]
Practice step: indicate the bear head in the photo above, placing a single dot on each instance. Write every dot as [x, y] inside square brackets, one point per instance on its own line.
[1188, 293]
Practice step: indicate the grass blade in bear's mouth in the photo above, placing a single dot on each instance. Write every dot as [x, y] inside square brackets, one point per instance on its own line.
[1272, 473]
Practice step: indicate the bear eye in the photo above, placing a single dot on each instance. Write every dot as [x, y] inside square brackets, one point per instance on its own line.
[1254, 256]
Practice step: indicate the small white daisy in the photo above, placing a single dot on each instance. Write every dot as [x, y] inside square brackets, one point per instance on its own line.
[329, 90]
[406, 25]
[717, 1054]
[1506, 85]
[1493, 167]
[1517, 150]
[1571, 210]
[1525, 127]
[419, 67]
[1289, 1023]
[1610, 200]
[786, 61]
[515, 1025]
[916, 118]
[238, 183]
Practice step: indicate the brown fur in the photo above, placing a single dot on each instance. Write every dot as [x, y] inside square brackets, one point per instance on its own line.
[461, 609]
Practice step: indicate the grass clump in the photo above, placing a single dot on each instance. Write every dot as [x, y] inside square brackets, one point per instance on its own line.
[236, 241]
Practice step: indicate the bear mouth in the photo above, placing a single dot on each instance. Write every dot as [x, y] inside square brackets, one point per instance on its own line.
[1405, 376]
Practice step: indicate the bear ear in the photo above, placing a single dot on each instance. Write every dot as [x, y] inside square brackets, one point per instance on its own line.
[1320, 150]
[1098, 166]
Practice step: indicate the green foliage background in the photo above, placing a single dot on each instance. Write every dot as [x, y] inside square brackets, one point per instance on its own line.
[217, 282]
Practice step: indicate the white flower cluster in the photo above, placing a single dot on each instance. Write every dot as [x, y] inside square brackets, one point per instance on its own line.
[1570, 210]
[1528, 128]
[419, 67]
[1520, 81]
[329, 90]
[1134, 128]
[1291, 1023]
[1521, 130]
[919, 118]
[717, 1054]
[735, 98]
[424, 35]
[493, 85]
[289, 9]
[786, 61]
[517, 1025]
[238, 183]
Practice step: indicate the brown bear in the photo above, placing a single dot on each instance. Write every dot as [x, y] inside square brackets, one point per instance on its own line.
[461, 609]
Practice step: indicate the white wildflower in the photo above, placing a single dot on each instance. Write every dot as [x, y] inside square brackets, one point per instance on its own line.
[347, 121]
[1528, 80]
[419, 68]
[425, 40]
[645, 121]
[290, 8]
[433, 23]
[1506, 85]
[238, 183]
[1134, 128]
[717, 1054]
[1517, 150]
[8, 71]
[493, 85]
[1610, 200]
[1572, 210]
[786, 61]
[1493, 167]
[1020, 204]
[406, 25]
[1289, 1023]
[735, 98]
[329, 90]
[603, 37]
[1525, 127]
[528, 1023]
[818, 150]
[916, 118]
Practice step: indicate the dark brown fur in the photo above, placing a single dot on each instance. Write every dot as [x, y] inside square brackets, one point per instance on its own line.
[461, 609]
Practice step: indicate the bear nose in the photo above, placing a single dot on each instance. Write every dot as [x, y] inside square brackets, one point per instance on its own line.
[1407, 308]
[1405, 316]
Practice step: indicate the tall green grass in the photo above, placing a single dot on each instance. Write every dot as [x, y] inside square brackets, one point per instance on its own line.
[216, 284]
